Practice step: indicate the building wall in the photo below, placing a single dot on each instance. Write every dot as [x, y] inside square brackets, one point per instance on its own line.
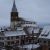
[43, 43]
[45, 47]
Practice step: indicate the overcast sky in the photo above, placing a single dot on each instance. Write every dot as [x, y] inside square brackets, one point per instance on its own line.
[35, 10]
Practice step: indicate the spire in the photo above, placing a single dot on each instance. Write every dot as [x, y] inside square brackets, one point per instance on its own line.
[14, 9]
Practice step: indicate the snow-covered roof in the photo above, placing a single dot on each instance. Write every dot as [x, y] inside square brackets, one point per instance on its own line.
[14, 33]
[29, 46]
[45, 33]
[19, 28]
[29, 25]
[36, 30]
[2, 30]
[32, 29]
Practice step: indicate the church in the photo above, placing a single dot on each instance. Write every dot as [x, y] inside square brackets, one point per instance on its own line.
[18, 21]
[20, 31]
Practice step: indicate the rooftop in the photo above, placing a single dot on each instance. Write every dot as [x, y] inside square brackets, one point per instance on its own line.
[45, 33]
[14, 33]
[8, 32]
[32, 29]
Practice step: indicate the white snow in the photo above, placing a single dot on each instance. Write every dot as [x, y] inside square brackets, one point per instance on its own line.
[32, 29]
[29, 46]
[30, 25]
[36, 30]
[14, 33]
[45, 33]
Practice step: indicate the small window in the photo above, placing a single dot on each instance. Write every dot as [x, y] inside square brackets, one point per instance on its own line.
[29, 41]
[2, 38]
[39, 41]
[12, 42]
[11, 37]
[44, 41]
[8, 43]
[1, 44]
[8, 38]
[22, 36]
[17, 37]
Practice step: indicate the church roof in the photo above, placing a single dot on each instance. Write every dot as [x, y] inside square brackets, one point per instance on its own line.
[20, 19]
[18, 32]
[14, 9]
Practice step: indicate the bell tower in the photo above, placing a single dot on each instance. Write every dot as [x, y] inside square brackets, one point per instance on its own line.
[14, 16]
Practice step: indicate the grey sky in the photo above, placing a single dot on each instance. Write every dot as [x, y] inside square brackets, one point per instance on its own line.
[36, 10]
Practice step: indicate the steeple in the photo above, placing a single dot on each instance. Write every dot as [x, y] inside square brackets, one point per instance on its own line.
[14, 15]
[14, 9]
[14, 12]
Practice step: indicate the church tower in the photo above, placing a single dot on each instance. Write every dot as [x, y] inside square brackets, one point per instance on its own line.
[14, 16]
